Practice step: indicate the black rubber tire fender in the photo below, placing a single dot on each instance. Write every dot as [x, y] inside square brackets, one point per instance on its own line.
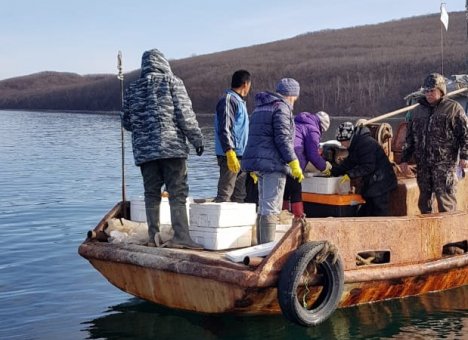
[289, 280]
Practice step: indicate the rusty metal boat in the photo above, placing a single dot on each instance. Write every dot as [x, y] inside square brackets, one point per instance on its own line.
[319, 264]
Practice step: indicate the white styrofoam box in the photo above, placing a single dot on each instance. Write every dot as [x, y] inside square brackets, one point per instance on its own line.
[281, 229]
[222, 215]
[325, 185]
[222, 238]
[138, 211]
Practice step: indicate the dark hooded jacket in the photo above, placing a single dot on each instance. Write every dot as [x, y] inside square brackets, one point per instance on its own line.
[158, 112]
[270, 144]
[368, 160]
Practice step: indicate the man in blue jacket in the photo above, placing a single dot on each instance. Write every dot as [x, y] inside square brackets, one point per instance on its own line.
[158, 112]
[231, 132]
[270, 152]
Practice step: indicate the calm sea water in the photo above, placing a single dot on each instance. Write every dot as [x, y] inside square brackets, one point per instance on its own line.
[59, 174]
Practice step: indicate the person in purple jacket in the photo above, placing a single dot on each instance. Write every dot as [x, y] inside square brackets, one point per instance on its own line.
[308, 130]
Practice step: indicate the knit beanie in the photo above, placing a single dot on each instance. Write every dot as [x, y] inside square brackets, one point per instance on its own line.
[345, 131]
[435, 81]
[324, 120]
[288, 87]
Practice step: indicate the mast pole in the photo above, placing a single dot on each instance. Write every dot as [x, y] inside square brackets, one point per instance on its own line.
[120, 76]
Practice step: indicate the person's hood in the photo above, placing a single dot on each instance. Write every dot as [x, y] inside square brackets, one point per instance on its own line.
[153, 61]
[266, 98]
[307, 118]
[359, 132]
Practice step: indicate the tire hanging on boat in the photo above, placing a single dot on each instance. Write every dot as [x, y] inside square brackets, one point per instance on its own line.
[293, 286]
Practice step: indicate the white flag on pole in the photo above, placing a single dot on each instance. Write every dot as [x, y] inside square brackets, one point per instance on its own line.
[444, 16]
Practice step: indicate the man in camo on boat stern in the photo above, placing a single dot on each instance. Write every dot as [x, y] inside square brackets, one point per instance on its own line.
[270, 152]
[158, 112]
[437, 137]
[231, 132]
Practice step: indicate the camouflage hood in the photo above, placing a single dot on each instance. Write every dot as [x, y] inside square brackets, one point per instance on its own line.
[153, 61]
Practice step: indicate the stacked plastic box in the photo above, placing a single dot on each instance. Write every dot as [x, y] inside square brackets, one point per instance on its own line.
[219, 226]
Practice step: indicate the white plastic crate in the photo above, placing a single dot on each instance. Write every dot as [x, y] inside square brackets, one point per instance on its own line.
[281, 229]
[138, 211]
[222, 238]
[325, 185]
[222, 215]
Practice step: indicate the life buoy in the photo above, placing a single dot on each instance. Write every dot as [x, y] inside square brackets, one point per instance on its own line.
[312, 265]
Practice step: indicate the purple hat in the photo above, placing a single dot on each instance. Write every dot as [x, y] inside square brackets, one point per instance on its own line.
[288, 87]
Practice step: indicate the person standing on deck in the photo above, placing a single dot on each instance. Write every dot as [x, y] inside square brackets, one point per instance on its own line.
[158, 112]
[309, 129]
[270, 152]
[367, 160]
[231, 132]
[437, 137]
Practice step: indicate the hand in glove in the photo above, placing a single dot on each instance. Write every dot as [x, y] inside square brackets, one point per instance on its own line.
[296, 170]
[232, 161]
[345, 179]
[254, 177]
[327, 171]
[200, 150]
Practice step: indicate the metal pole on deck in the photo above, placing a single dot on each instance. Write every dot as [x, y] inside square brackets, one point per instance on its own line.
[120, 76]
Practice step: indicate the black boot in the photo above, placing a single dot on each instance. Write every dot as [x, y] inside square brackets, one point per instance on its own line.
[266, 229]
[152, 218]
[180, 225]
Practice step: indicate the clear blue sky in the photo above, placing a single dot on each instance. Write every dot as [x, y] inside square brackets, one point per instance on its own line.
[84, 36]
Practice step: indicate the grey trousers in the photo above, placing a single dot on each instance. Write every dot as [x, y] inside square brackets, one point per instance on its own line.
[231, 186]
[173, 173]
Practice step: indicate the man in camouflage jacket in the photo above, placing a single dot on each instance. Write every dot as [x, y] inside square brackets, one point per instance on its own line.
[158, 112]
[437, 137]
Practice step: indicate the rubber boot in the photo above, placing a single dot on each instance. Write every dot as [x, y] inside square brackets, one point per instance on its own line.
[267, 229]
[297, 208]
[152, 217]
[180, 225]
[286, 205]
[255, 232]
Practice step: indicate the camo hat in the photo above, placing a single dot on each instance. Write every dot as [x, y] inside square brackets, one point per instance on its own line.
[435, 81]
[345, 131]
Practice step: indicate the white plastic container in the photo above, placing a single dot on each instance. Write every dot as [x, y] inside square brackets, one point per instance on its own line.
[281, 229]
[222, 238]
[222, 215]
[325, 185]
[138, 211]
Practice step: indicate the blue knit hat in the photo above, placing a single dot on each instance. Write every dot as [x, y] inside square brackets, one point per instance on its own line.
[288, 87]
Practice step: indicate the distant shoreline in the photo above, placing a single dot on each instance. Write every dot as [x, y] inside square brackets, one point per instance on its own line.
[108, 113]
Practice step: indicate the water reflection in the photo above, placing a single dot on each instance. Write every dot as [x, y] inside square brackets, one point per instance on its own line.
[427, 316]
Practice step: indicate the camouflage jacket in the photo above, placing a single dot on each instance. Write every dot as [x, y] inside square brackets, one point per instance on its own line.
[158, 112]
[437, 135]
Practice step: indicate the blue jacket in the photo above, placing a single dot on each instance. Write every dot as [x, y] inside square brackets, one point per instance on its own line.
[231, 124]
[158, 112]
[270, 145]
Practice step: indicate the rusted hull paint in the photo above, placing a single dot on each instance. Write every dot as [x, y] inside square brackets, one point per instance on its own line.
[204, 295]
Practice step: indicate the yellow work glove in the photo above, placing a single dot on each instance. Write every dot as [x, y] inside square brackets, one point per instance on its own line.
[232, 161]
[327, 171]
[345, 179]
[296, 170]
[254, 177]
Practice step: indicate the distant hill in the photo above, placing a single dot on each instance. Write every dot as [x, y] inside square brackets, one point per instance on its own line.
[357, 71]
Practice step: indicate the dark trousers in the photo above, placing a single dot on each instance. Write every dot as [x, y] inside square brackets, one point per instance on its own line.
[171, 172]
[231, 186]
[376, 206]
[293, 190]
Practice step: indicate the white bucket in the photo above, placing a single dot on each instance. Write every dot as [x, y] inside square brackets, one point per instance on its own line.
[137, 210]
